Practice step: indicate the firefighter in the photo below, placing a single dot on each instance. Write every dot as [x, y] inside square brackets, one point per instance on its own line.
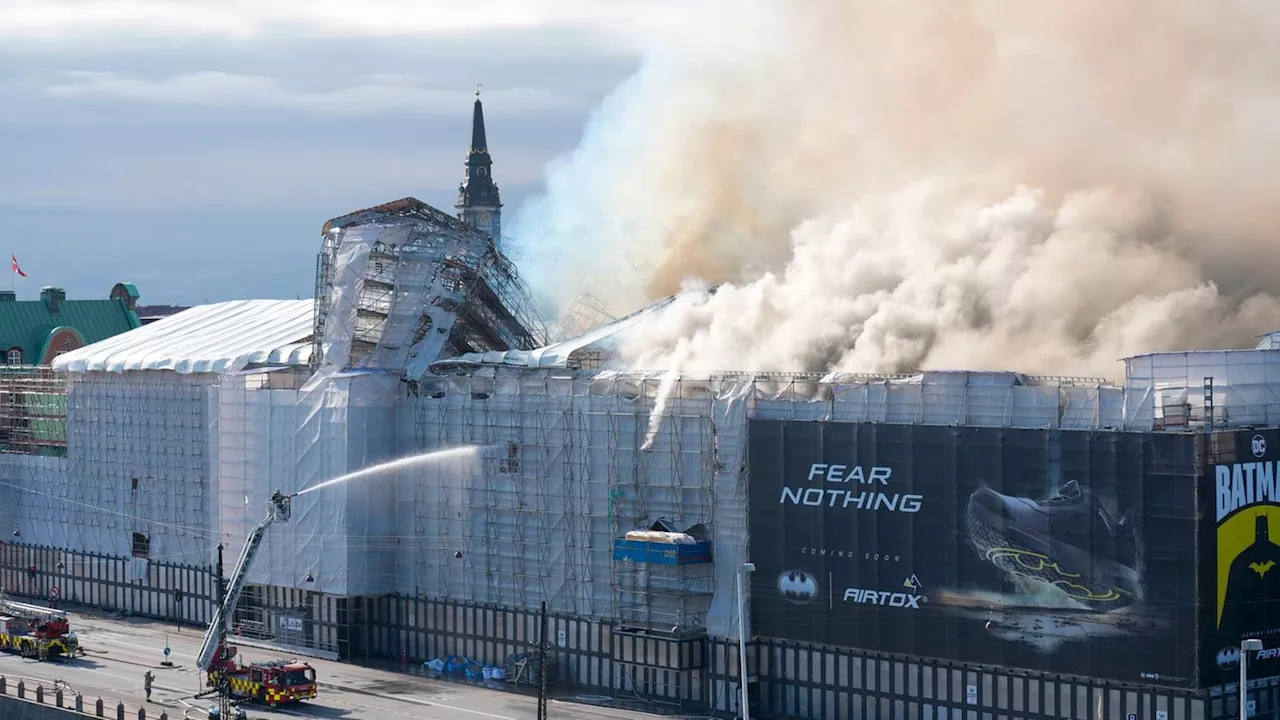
[146, 683]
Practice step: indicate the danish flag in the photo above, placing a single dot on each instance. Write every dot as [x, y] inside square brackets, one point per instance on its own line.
[15, 266]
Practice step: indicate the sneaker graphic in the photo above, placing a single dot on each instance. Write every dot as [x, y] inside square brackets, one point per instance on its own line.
[1068, 540]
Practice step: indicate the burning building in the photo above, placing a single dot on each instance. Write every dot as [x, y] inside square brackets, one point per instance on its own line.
[922, 543]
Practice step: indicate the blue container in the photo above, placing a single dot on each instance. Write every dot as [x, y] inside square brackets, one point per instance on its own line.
[654, 553]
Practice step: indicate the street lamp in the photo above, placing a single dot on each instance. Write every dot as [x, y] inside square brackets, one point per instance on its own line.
[742, 636]
[1246, 647]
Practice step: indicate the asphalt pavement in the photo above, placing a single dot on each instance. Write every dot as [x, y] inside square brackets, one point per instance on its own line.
[119, 651]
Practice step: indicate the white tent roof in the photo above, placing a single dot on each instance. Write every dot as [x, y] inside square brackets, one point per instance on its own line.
[1269, 341]
[218, 338]
[556, 355]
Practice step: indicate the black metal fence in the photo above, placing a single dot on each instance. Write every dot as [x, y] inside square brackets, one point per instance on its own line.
[790, 680]
[678, 675]
[127, 585]
[798, 680]
[666, 674]
[295, 618]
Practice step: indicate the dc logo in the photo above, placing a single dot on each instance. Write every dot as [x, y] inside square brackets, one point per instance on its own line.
[1258, 445]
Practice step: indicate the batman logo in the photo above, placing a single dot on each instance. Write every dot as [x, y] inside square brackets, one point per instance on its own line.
[1262, 568]
[798, 587]
[1228, 657]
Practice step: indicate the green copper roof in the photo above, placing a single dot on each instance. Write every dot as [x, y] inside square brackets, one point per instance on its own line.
[30, 324]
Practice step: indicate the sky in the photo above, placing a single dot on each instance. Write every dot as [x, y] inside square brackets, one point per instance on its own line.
[195, 147]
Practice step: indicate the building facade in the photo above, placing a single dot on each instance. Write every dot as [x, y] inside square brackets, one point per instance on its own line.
[33, 332]
[455, 557]
[879, 512]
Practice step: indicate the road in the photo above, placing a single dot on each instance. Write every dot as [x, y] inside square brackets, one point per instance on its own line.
[119, 651]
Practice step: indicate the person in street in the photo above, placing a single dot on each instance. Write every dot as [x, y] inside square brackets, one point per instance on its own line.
[146, 683]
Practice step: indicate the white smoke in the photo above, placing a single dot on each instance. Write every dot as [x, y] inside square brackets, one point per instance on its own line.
[887, 186]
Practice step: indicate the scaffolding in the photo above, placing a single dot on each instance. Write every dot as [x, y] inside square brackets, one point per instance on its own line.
[163, 465]
[586, 312]
[535, 516]
[33, 411]
[575, 460]
[1210, 389]
[663, 589]
[406, 284]
[116, 464]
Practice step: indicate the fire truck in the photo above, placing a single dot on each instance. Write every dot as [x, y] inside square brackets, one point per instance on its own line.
[35, 631]
[275, 683]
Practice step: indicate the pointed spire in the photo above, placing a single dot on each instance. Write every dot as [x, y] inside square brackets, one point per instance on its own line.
[479, 202]
[478, 142]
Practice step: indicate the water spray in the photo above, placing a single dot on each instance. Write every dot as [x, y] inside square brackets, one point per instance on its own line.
[392, 466]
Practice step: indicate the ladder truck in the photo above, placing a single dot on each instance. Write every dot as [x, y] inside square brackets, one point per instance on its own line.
[274, 683]
[35, 631]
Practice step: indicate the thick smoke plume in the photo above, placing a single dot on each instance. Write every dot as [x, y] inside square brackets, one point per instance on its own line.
[889, 186]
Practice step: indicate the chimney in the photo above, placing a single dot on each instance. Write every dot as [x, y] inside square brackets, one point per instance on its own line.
[8, 296]
[52, 297]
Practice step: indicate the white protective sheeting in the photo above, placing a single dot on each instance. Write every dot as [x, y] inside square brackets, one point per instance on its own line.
[1246, 386]
[291, 440]
[369, 504]
[565, 471]
[287, 440]
[425, 291]
[340, 540]
[138, 461]
[217, 338]
[556, 355]
[343, 315]
[397, 288]
[560, 475]
[568, 462]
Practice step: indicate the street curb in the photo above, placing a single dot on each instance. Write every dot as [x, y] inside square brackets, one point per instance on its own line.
[106, 654]
[340, 688]
[427, 703]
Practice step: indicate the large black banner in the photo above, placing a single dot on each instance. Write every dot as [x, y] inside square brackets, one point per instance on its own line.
[1240, 553]
[1059, 551]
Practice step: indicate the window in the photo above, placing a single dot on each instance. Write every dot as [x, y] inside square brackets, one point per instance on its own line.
[15, 356]
[141, 545]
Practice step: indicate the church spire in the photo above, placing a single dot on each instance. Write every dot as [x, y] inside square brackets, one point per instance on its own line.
[478, 142]
[478, 201]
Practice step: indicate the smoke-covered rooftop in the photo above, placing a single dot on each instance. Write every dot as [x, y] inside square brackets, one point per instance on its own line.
[900, 186]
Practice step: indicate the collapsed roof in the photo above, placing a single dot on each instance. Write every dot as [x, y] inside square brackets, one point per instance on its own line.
[586, 351]
[403, 284]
